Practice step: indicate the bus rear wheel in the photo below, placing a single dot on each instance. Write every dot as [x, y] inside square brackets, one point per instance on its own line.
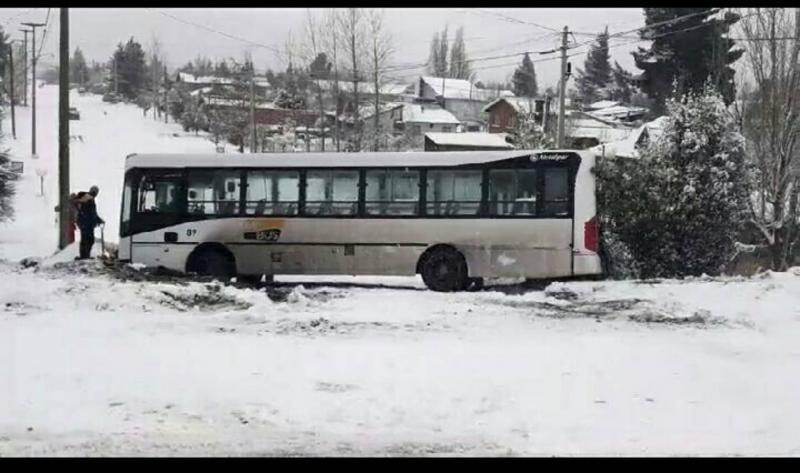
[445, 270]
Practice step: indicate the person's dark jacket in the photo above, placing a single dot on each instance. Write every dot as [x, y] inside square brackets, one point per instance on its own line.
[87, 211]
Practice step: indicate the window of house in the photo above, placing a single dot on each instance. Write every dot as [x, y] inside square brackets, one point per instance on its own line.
[213, 192]
[392, 192]
[512, 192]
[272, 192]
[453, 192]
[447, 129]
[331, 193]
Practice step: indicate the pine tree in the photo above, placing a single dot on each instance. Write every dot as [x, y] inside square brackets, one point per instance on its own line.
[593, 80]
[443, 47]
[131, 69]
[459, 67]
[78, 70]
[621, 88]
[434, 59]
[681, 206]
[524, 79]
[320, 67]
[7, 180]
[698, 50]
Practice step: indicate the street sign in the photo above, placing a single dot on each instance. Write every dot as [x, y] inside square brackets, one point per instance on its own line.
[17, 166]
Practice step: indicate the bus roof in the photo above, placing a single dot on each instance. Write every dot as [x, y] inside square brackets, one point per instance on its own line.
[324, 160]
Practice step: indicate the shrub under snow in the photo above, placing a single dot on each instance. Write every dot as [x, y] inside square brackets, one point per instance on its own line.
[680, 207]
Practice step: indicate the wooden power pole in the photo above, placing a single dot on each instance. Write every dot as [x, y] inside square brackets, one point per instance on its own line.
[253, 139]
[63, 131]
[11, 95]
[25, 68]
[562, 90]
[33, 85]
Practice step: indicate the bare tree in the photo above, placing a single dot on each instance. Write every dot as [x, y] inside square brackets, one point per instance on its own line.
[315, 42]
[380, 45]
[770, 118]
[331, 42]
[155, 72]
[351, 26]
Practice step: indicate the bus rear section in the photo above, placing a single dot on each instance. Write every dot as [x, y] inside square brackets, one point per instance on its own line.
[454, 218]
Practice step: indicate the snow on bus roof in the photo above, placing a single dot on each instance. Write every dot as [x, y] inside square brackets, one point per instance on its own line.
[302, 160]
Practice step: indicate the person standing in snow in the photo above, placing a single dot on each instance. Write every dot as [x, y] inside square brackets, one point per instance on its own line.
[87, 220]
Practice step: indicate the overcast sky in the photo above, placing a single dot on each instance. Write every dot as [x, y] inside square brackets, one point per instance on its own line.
[488, 32]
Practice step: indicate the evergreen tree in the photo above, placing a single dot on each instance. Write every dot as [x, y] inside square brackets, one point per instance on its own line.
[459, 67]
[437, 64]
[222, 69]
[3, 52]
[698, 51]
[78, 69]
[443, 47]
[621, 88]
[528, 134]
[320, 67]
[131, 68]
[524, 79]
[7, 179]
[681, 206]
[594, 79]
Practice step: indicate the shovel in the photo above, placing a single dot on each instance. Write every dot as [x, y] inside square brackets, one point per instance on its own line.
[102, 241]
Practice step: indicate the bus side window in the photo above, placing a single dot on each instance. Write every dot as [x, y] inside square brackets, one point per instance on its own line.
[272, 192]
[556, 192]
[392, 192]
[512, 192]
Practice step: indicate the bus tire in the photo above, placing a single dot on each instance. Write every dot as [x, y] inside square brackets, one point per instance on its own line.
[444, 269]
[215, 262]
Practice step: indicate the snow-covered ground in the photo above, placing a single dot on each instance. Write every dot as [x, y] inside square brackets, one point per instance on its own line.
[97, 361]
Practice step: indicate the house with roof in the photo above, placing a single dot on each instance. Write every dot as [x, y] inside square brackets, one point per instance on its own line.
[458, 96]
[616, 111]
[413, 118]
[503, 112]
[585, 130]
[631, 146]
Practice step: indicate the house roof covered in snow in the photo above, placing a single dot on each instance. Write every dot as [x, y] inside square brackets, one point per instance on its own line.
[462, 89]
[629, 146]
[368, 111]
[482, 140]
[602, 104]
[193, 79]
[520, 104]
[388, 88]
[420, 113]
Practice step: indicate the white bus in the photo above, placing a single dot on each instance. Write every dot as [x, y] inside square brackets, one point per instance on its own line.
[453, 217]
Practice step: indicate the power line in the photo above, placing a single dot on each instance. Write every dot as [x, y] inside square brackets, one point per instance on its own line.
[222, 33]
[514, 20]
[7, 22]
[44, 35]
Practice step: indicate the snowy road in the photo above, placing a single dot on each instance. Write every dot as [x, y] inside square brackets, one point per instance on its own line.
[96, 364]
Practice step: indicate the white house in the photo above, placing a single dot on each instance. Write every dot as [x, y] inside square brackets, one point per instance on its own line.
[633, 143]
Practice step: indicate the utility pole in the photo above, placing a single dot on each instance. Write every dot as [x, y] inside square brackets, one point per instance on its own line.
[562, 90]
[13, 116]
[33, 85]
[166, 104]
[252, 111]
[25, 67]
[63, 131]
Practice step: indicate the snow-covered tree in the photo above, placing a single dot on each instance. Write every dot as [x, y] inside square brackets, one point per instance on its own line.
[194, 118]
[7, 180]
[527, 134]
[680, 208]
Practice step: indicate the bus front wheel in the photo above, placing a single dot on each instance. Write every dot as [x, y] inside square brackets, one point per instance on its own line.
[214, 263]
[445, 270]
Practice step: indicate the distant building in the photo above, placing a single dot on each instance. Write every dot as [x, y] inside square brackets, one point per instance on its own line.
[465, 142]
[584, 130]
[458, 96]
[505, 111]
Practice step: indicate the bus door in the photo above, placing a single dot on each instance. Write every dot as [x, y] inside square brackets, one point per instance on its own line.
[158, 205]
